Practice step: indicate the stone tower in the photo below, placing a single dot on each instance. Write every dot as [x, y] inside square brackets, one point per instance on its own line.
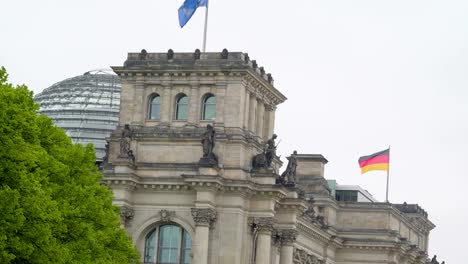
[154, 161]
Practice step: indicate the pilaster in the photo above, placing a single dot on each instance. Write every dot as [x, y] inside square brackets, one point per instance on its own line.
[193, 113]
[245, 125]
[287, 237]
[220, 106]
[260, 117]
[166, 105]
[204, 218]
[252, 113]
[264, 228]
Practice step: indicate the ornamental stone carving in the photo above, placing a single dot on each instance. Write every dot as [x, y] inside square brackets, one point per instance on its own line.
[204, 216]
[301, 257]
[126, 215]
[262, 224]
[287, 236]
[166, 216]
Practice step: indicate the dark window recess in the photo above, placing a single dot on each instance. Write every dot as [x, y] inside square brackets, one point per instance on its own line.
[347, 196]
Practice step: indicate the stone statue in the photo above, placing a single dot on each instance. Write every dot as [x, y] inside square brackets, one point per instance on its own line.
[142, 55]
[209, 159]
[125, 140]
[208, 141]
[434, 260]
[264, 159]
[259, 161]
[262, 70]
[170, 54]
[197, 54]
[290, 172]
[224, 54]
[105, 159]
[254, 64]
[270, 150]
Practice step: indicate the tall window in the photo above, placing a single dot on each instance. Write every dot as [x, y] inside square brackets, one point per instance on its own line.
[209, 107]
[181, 107]
[173, 245]
[155, 107]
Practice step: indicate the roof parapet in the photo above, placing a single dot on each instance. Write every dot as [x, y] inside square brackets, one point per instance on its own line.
[411, 209]
[197, 59]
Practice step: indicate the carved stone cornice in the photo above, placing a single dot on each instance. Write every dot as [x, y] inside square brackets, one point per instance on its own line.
[204, 216]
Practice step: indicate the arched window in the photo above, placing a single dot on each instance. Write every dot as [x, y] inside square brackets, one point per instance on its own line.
[209, 107]
[173, 245]
[181, 107]
[155, 108]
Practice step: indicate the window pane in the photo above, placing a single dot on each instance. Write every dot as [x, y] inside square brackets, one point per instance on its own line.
[149, 247]
[163, 256]
[210, 100]
[169, 238]
[186, 247]
[209, 108]
[182, 107]
[155, 108]
[183, 100]
[209, 112]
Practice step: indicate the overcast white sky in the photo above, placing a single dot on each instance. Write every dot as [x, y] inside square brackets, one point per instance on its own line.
[359, 75]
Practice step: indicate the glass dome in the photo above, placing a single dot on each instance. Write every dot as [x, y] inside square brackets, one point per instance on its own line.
[85, 106]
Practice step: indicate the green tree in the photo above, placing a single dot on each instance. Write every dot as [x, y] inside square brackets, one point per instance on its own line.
[52, 206]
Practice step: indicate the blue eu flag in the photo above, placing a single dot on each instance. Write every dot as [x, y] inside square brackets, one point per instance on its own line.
[188, 8]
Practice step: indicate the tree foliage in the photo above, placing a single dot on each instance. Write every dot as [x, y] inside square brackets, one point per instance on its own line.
[52, 207]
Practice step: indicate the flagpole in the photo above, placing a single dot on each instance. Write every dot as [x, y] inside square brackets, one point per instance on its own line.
[206, 26]
[388, 174]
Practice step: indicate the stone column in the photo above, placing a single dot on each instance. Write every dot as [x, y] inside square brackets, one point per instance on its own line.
[287, 239]
[252, 112]
[245, 125]
[264, 227]
[193, 107]
[204, 218]
[260, 118]
[166, 105]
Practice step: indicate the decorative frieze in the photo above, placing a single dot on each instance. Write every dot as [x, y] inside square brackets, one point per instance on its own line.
[204, 216]
[302, 257]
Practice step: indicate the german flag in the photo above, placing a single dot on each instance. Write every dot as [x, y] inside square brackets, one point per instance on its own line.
[376, 161]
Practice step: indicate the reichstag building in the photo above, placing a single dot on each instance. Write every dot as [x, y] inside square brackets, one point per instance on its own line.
[193, 166]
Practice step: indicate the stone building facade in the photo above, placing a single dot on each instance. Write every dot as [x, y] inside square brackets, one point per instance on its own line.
[182, 205]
